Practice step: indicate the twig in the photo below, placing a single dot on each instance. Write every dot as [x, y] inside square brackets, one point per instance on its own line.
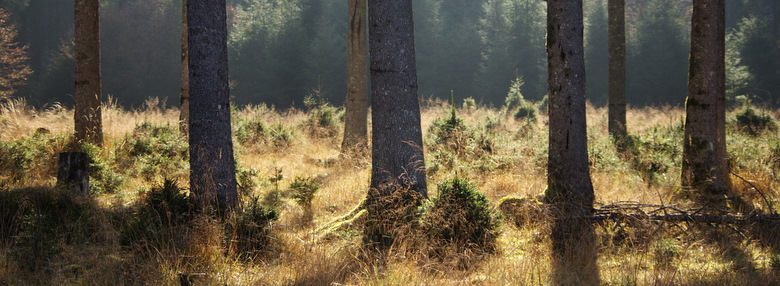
[769, 204]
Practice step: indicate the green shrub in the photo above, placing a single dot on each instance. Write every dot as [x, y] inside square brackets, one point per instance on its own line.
[460, 217]
[515, 103]
[469, 103]
[280, 135]
[30, 158]
[526, 110]
[447, 128]
[303, 190]
[104, 177]
[753, 123]
[38, 222]
[514, 98]
[324, 119]
[249, 132]
[247, 231]
[157, 214]
[154, 151]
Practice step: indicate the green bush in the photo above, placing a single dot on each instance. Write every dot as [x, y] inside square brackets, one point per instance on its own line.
[154, 151]
[247, 231]
[30, 158]
[461, 217]
[303, 190]
[104, 177]
[249, 132]
[515, 103]
[38, 222]
[526, 110]
[156, 215]
[753, 123]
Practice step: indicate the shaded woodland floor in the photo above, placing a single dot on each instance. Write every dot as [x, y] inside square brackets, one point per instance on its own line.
[50, 237]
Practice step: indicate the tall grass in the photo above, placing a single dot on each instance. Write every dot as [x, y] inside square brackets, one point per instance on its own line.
[501, 155]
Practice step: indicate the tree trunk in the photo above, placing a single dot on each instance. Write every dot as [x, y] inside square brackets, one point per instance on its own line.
[396, 143]
[212, 166]
[704, 164]
[356, 117]
[184, 97]
[569, 187]
[87, 115]
[617, 70]
[73, 172]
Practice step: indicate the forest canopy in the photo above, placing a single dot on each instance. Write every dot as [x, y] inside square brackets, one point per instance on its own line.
[282, 50]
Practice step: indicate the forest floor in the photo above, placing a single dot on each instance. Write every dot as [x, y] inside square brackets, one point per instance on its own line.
[50, 237]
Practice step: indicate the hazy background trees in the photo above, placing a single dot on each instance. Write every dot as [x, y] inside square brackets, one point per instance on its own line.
[282, 49]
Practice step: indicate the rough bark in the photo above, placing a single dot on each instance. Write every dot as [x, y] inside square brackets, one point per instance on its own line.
[184, 97]
[567, 167]
[212, 166]
[396, 143]
[73, 172]
[569, 187]
[617, 69]
[704, 164]
[87, 113]
[356, 116]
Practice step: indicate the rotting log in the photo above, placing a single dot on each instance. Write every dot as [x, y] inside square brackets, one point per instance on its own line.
[73, 172]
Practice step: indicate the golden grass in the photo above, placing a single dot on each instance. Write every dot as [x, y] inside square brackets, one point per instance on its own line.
[297, 255]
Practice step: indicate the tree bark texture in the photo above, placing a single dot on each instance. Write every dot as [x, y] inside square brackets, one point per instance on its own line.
[87, 110]
[569, 187]
[184, 97]
[396, 143]
[73, 172]
[567, 167]
[617, 69]
[356, 116]
[212, 166]
[704, 164]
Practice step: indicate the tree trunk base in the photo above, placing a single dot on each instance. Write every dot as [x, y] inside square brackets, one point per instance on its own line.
[73, 172]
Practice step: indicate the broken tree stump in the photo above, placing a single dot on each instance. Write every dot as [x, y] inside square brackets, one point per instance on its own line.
[73, 172]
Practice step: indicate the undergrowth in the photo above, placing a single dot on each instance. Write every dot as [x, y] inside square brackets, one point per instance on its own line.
[121, 235]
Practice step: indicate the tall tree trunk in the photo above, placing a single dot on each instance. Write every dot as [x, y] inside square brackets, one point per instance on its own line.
[356, 117]
[184, 97]
[396, 143]
[87, 115]
[212, 166]
[569, 187]
[617, 69]
[704, 164]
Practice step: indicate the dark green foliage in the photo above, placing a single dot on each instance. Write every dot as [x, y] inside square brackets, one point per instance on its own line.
[157, 215]
[750, 122]
[526, 111]
[247, 231]
[447, 128]
[461, 217]
[281, 136]
[304, 189]
[516, 104]
[154, 151]
[324, 119]
[30, 158]
[104, 177]
[249, 131]
[246, 179]
[37, 222]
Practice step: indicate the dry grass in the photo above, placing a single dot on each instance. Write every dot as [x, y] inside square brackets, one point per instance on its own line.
[701, 255]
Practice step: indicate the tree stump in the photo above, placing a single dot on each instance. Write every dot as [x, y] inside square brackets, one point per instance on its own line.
[73, 172]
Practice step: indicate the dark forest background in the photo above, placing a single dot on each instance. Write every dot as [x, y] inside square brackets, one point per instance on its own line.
[282, 50]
